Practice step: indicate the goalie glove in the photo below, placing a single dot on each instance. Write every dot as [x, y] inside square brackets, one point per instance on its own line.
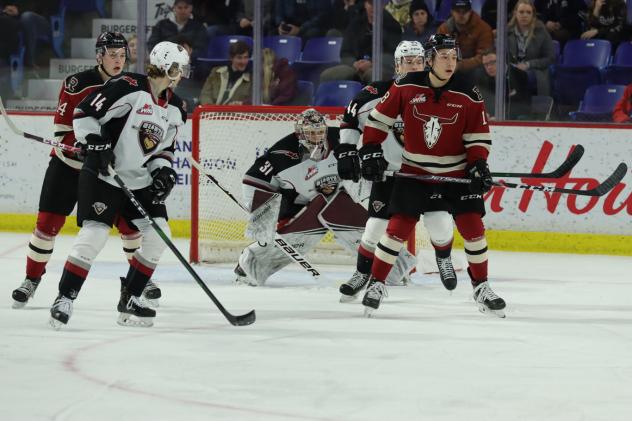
[373, 162]
[164, 180]
[481, 178]
[99, 154]
[348, 162]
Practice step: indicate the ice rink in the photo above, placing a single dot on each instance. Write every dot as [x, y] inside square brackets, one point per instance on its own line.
[564, 352]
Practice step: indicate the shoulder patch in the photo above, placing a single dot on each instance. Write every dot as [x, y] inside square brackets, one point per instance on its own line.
[285, 152]
[72, 84]
[371, 89]
[130, 80]
[477, 93]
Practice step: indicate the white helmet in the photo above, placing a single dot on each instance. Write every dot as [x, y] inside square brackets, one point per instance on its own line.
[407, 49]
[165, 55]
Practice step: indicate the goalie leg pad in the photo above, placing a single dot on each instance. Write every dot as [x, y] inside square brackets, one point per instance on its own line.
[346, 219]
[401, 268]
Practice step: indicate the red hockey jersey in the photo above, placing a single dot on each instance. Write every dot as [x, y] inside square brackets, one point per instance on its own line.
[444, 128]
[74, 89]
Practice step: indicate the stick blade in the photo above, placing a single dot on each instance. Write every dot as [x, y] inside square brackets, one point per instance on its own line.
[572, 160]
[611, 181]
[244, 319]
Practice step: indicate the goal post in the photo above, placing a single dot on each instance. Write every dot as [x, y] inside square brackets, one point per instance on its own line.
[226, 140]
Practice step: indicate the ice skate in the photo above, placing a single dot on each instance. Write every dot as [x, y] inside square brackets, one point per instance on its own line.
[133, 311]
[60, 312]
[375, 292]
[350, 289]
[488, 301]
[24, 292]
[446, 272]
[243, 278]
[152, 294]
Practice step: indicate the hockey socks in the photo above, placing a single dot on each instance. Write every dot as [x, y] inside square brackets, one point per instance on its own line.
[138, 275]
[42, 242]
[72, 279]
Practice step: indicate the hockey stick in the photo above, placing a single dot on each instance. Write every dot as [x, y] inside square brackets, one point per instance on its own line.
[282, 244]
[571, 160]
[54, 143]
[600, 190]
[242, 320]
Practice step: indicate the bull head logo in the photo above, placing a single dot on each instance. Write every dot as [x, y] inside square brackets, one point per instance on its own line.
[433, 125]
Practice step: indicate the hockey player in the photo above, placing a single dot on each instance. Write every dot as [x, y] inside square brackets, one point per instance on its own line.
[297, 178]
[409, 57]
[130, 125]
[59, 189]
[446, 133]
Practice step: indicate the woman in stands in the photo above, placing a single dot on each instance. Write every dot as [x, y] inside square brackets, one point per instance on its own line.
[279, 80]
[606, 20]
[529, 45]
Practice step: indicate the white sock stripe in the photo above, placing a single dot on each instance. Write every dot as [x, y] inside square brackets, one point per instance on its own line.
[475, 245]
[144, 261]
[78, 262]
[37, 257]
[385, 257]
[42, 235]
[42, 243]
[391, 243]
[476, 258]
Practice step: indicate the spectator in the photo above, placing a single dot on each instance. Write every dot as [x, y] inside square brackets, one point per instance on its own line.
[229, 85]
[421, 24]
[268, 5]
[279, 80]
[34, 23]
[181, 23]
[562, 18]
[303, 18]
[357, 46]
[132, 43]
[400, 10]
[471, 32]
[225, 17]
[517, 87]
[344, 12]
[623, 110]
[489, 12]
[188, 89]
[529, 45]
[606, 20]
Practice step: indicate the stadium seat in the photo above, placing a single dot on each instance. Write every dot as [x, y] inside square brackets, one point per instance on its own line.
[304, 94]
[541, 107]
[288, 47]
[620, 71]
[598, 103]
[16, 63]
[557, 49]
[218, 47]
[318, 54]
[84, 6]
[336, 93]
[582, 64]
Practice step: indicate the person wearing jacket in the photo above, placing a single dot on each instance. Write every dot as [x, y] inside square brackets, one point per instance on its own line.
[181, 23]
[562, 18]
[421, 24]
[279, 80]
[606, 20]
[529, 45]
[231, 84]
[623, 110]
[472, 33]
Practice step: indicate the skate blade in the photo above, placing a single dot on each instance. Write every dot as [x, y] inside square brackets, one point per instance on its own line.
[126, 319]
[490, 312]
[368, 312]
[18, 304]
[55, 324]
[347, 298]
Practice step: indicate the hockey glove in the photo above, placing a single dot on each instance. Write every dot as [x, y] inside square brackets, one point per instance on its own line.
[99, 154]
[481, 178]
[164, 180]
[373, 162]
[348, 162]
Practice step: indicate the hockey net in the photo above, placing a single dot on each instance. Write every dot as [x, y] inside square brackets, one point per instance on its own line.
[226, 141]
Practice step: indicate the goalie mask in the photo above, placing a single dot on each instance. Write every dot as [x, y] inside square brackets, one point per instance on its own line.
[171, 58]
[311, 129]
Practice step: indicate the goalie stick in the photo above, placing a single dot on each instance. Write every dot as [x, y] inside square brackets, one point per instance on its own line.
[603, 188]
[282, 244]
[571, 160]
[54, 143]
[242, 320]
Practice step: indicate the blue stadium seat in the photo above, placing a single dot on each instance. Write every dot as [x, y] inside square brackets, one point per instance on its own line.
[304, 94]
[288, 47]
[582, 64]
[598, 103]
[57, 32]
[620, 71]
[336, 93]
[322, 50]
[84, 6]
[217, 51]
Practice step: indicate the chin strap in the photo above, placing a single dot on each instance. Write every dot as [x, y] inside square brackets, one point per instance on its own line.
[436, 75]
[105, 71]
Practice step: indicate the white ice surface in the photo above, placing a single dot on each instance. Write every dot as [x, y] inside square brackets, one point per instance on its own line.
[564, 352]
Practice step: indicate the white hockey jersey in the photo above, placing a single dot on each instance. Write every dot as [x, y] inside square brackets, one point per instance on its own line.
[142, 128]
[355, 118]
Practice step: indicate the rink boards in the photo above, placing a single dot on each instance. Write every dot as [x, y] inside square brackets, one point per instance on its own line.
[516, 219]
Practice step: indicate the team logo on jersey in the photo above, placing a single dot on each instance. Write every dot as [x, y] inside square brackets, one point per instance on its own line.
[418, 99]
[130, 80]
[146, 110]
[99, 207]
[289, 154]
[433, 126]
[371, 89]
[311, 171]
[72, 84]
[149, 136]
[327, 182]
[478, 94]
[377, 205]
